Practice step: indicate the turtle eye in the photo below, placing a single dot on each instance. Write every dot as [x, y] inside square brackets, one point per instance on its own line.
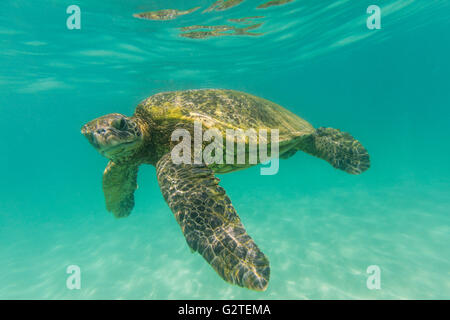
[120, 124]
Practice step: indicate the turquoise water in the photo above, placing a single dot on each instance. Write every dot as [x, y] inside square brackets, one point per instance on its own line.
[321, 228]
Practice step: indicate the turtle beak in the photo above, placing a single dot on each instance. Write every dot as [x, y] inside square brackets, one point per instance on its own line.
[89, 135]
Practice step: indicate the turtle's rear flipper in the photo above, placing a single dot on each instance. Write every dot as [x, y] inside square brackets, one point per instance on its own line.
[340, 149]
[210, 224]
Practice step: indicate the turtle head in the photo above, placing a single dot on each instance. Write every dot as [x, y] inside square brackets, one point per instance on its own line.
[115, 136]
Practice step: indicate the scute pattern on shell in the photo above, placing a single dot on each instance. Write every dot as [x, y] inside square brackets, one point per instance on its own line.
[225, 109]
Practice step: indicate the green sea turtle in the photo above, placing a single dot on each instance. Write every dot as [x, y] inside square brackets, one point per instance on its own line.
[204, 212]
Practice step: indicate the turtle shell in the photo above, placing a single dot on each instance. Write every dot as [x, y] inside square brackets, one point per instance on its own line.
[224, 109]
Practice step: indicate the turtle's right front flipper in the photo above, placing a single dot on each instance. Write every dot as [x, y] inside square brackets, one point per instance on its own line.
[210, 224]
[119, 184]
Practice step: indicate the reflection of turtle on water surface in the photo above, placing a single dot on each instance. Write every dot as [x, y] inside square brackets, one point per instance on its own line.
[222, 5]
[166, 14]
[213, 31]
[201, 32]
[273, 3]
[203, 210]
[246, 20]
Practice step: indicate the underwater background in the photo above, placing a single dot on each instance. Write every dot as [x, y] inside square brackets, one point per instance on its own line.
[320, 228]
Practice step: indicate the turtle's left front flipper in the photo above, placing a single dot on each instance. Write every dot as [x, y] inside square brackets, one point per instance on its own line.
[210, 224]
[119, 184]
